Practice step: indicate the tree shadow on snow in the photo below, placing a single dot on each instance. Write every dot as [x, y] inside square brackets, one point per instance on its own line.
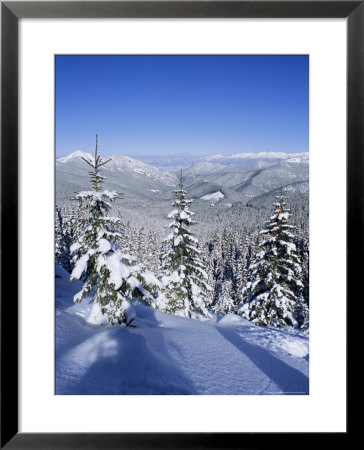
[289, 380]
[125, 361]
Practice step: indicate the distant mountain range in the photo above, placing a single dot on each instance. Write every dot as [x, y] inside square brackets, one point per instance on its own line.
[245, 159]
[242, 183]
[132, 177]
[174, 162]
[216, 182]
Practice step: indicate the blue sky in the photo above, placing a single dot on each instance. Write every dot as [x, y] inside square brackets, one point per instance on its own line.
[175, 106]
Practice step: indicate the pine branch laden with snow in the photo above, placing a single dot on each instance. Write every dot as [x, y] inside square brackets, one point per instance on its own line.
[110, 276]
[184, 276]
[274, 295]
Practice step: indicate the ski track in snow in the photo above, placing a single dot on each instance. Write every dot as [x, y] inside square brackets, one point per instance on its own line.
[172, 355]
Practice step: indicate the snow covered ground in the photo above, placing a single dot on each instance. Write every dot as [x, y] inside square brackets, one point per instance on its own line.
[215, 197]
[172, 355]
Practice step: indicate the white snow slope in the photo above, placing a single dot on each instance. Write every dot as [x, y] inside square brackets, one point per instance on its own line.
[172, 355]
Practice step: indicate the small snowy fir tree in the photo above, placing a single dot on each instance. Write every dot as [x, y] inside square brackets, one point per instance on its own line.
[225, 303]
[274, 292]
[108, 274]
[185, 279]
[301, 314]
[62, 242]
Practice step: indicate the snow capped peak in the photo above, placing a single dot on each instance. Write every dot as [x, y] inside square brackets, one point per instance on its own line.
[260, 155]
[298, 159]
[78, 154]
[126, 164]
[211, 158]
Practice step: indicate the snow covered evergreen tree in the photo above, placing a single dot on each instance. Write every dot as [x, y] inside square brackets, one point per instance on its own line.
[185, 279]
[301, 314]
[225, 303]
[75, 220]
[108, 274]
[62, 242]
[215, 270]
[274, 292]
[302, 305]
[303, 251]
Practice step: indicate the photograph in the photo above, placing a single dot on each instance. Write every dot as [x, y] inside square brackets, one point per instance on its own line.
[181, 224]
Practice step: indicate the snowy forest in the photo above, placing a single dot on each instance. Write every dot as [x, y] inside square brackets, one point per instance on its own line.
[115, 273]
[262, 276]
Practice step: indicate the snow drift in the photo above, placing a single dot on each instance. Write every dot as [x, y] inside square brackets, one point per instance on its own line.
[172, 355]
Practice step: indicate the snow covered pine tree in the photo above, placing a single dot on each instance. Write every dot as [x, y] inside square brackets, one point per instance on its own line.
[108, 275]
[62, 242]
[185, 279]
[274, 294]
[225, 303]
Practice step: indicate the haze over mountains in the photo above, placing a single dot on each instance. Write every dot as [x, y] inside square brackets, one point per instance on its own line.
[215, 182]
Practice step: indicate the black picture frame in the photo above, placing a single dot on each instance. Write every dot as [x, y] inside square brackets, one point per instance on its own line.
[11, 12]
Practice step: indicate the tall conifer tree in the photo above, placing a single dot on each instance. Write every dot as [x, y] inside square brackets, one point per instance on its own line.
[108, 274]
[275, 289]
[184, 275]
